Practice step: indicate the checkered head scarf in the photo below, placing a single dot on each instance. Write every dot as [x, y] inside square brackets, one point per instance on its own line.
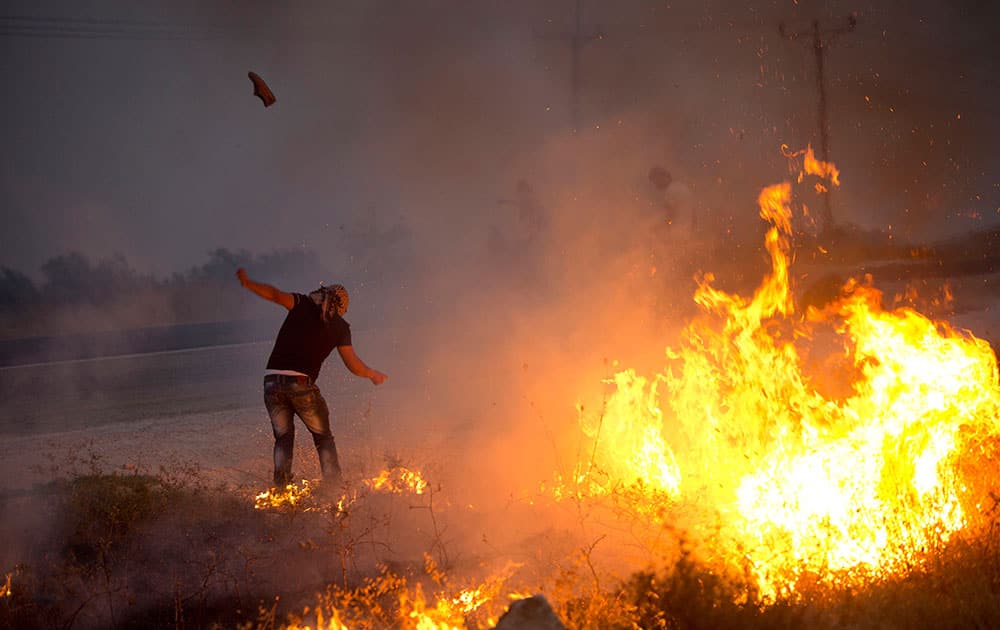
[331, 300]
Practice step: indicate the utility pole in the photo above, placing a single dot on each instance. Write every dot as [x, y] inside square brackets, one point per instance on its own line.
[577, 41]
[821, 38]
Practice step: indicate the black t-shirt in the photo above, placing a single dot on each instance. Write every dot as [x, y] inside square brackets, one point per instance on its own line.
[305, 341]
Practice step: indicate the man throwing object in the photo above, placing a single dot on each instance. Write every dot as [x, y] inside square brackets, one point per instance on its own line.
[313, 327]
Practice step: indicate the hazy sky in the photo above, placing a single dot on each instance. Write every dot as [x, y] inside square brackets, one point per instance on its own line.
[131, 127]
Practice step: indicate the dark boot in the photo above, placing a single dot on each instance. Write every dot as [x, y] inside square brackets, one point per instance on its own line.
[283, 478]
[326, 448]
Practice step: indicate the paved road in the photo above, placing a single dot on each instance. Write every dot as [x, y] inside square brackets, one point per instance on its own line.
[84, 393]
[75, 394]
[109, 343]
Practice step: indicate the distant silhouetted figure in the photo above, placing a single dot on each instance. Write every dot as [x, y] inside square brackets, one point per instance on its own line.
[313, 327]
[675, 201]
[529, 221]
[521, 237]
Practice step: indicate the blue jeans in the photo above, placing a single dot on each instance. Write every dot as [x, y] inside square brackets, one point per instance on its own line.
[285, 397]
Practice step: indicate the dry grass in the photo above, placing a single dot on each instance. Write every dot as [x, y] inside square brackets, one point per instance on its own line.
[140, 550]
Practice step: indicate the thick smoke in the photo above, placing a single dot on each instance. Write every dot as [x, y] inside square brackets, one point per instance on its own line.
[407, 140]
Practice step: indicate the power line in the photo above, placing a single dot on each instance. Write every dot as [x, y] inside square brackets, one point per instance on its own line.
[577, 41]
[85, 28]
[101, 35]
[31, 19]
[30, 26]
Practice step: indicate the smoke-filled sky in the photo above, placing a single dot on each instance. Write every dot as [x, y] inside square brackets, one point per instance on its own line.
[131, 128]
[399, 136]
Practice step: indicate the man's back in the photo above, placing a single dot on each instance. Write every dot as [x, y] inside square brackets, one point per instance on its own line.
[305, 340]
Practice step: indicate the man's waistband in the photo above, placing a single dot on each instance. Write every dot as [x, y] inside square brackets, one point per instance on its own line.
[288, 378]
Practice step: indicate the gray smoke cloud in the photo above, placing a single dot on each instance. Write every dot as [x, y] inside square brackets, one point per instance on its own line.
[395, 149]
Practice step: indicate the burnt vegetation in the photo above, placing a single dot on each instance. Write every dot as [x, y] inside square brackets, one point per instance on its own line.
[135, 549]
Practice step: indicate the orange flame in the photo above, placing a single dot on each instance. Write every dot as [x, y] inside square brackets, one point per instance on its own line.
[289, 497]
[398, 480]
[334, 622]
[446, 613]
[451, 610]
[805, 483]
[813, 166]
[826, 170]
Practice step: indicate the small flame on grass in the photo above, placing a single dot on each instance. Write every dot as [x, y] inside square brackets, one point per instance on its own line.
[291, 496]
[450, 611]
[475, 606]
[398, 480]
[322, 623]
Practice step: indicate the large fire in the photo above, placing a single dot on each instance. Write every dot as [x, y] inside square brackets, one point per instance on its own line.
[828, 466]
[832, 446]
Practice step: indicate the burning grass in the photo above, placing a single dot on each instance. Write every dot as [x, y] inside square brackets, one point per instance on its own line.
[141, 551]
[840, 464]
[138, 550]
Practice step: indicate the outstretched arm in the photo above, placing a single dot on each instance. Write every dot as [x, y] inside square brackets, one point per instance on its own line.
[266, 291]
[358, 367]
